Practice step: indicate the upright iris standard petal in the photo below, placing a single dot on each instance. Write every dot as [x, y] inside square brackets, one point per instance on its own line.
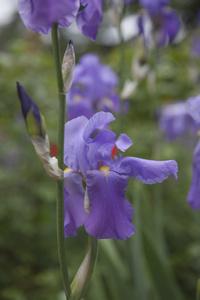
[193, 106]
[147, 171]
[40, 15]
[75, 214]
[110, 213]
[99, 151]
[194, 192]
[89, 18]
[73, 137]
[98, 121]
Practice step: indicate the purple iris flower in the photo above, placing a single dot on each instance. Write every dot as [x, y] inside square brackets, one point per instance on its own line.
[40, 15]
[153, 6]
[90, 154]
[196, 47]
[165, 24]
[194, 192]
[93, 88]
[193, 106]
[175, 121]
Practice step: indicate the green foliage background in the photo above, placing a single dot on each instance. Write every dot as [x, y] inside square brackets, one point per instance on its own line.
[162, 259]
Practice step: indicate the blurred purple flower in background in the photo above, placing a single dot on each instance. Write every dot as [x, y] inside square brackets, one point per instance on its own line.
[93, 88]
[195, 50]
[103, 209]
[165, 23]
[153, 6]
[175, 121]
[194, 192]
[40, 15]
[193, 106]
[195, 47]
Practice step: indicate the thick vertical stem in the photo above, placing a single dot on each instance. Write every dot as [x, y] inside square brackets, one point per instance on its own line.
[60, 183]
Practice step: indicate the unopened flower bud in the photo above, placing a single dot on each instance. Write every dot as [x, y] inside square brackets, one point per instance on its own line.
[34, 120]
[36, 128]
[68, 66]
[50, 164]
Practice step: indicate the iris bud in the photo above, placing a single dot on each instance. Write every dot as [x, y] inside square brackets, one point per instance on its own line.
[34, 120]
[68, 66]
[37, 130]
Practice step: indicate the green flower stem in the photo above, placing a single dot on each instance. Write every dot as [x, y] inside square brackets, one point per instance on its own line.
[83, 276]
[60, 183]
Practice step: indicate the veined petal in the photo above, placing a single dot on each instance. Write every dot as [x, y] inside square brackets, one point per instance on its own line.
[110, 213]
[75, 214]
[123, 142]
[90, 17]
[194, 192]
[147, 171]
[73, 138]
[98, 121]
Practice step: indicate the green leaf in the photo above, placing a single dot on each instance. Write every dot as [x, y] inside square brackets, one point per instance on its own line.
[161, 274]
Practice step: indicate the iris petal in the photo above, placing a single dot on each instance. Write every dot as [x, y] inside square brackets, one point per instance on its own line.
[73, 137]
[147, 171]
[97, 122]
[123, 142]
[194, 192]
[90, 17]
[40, 15]
[75, 214]
[101, 148]
[110, 213]
[193, 106]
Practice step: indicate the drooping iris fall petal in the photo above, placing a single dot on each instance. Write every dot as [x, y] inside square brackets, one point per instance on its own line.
[147, 171]
[110, 212]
